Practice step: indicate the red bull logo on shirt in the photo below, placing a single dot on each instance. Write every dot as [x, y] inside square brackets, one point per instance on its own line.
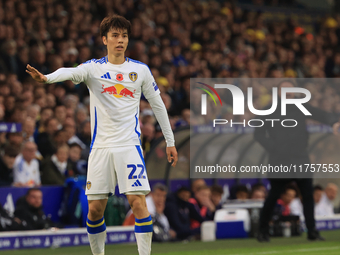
[118, 91]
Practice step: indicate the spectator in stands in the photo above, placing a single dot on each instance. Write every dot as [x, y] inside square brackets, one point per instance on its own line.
[33, 111]
[6, 165]
[196, 183]
[148, 135]
[45, 140]
[28, 129]
[185, 119]
[29, 209]
[325, 206]
[156, 205]
[317, 194]
[257, 194]
[81, 116]
[55, 169]
[70, 128]
[216, 196]
[203, 205]
[15, 139]
[79, 166]
[179, 212]
[60, 114]
[45, 114]
[18, 115]
[59, 138]
[10, 223]
[260, 186]
[242, 192]
[85, 134]
[26, 167]
[283, 203]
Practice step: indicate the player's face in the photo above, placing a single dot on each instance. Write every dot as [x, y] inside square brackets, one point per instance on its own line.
[116, 41]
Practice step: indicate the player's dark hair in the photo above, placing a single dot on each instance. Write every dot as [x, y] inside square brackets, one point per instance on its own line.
[115, 21]
[318, 187]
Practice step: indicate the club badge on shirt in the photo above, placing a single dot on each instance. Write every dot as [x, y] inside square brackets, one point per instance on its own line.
[133, 76]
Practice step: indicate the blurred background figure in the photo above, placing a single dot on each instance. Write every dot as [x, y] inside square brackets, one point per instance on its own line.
[180, 212]
[7, 161]
[216, 196]
[203, 205]
[28, 129]
[156, 205]
[55, 169]
[325, 206]
[241, 192]
[78, 165]
[29, 209]
[283, 203]
[26, 167]
[46, 143]
[258, 192]
[196, 183]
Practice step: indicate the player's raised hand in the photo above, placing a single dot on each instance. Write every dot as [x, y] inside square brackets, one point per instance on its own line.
[36, 75]
[171, 153]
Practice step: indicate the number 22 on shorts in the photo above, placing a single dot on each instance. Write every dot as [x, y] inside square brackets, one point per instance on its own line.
[134, 168]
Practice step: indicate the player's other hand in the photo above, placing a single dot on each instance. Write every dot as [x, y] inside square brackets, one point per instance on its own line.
[336, 127]
[36, 75]
[171, 153]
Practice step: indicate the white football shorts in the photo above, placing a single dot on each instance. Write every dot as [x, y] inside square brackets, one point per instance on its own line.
[124, 166]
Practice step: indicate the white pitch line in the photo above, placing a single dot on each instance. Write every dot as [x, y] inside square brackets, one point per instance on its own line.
[292, 251]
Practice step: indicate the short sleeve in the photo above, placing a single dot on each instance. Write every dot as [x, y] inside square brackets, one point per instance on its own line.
[149, 87]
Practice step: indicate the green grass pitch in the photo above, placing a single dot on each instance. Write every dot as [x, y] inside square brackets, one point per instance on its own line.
[277, 246]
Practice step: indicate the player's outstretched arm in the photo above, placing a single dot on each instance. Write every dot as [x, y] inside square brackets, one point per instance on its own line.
[75, 74]
[36, 75]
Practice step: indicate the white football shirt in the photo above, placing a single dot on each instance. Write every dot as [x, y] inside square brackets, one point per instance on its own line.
[115, 92]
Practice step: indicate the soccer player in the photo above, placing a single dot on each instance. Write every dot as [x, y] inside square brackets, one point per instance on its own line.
[116, 83]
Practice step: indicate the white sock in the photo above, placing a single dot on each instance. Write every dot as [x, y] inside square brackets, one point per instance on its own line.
[144, 243]
[97, 243]
[96, 231]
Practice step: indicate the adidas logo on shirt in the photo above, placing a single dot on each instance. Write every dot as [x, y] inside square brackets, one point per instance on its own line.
[136, 184]
[106, 76]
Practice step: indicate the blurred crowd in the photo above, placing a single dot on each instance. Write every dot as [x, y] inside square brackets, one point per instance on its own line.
[178, 215]
[177, 39]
